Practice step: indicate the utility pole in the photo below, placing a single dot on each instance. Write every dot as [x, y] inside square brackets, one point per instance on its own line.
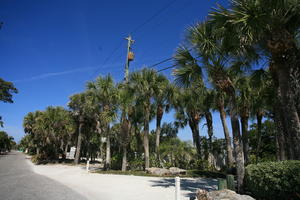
[124, 116]
[129, 57]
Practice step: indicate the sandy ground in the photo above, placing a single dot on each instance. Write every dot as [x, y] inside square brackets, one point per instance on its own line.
[115, 187]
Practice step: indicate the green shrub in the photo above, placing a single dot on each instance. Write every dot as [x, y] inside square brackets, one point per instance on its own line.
[273, 180]
[136, 164]
[39, 158]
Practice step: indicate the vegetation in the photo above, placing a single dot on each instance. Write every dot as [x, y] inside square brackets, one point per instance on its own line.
[6, 90]
[216, 71]
[6, 142]
[274, 180]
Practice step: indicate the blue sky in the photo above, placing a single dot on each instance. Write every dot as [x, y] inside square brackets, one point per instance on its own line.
[51, 48]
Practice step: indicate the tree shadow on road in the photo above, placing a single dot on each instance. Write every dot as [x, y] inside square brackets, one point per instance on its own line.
[190, 185]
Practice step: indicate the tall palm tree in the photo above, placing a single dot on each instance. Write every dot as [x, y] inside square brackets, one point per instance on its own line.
[244, 104]
[126, 105]
[145, 85]
[106, 93]
[78, 105]
[220, 76]
[189, 110]
[162, 98]
[269, 28]
[189, 72]
[219, 100]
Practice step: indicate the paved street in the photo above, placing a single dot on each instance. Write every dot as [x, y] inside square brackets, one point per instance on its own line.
[19, 182]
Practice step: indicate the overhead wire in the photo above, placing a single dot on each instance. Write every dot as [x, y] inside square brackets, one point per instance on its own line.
[136, 29]
[153, 16]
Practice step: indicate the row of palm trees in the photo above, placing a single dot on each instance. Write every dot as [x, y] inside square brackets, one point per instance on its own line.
[216, 71]
[230, 42]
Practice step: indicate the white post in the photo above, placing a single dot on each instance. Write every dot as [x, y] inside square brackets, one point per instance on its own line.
[88, 165]
[177, 188]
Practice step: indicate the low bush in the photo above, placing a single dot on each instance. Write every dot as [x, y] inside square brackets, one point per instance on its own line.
[39, 159]
[274, 180]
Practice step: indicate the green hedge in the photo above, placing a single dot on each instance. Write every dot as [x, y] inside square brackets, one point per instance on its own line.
[274, 180]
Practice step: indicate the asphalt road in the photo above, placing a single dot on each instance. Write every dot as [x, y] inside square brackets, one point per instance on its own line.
[19, 182]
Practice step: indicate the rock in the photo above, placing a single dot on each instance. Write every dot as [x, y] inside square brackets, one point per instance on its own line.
[202, 194]
[158, 171]
[176, 171]
[221, 195]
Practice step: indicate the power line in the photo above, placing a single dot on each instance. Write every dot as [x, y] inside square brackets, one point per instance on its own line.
[153, 16]
[174, 65]
[163, 61]
[167, 68]
[108, 57]
[136, 29]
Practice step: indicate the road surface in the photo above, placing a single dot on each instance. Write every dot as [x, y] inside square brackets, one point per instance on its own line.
[19, 182]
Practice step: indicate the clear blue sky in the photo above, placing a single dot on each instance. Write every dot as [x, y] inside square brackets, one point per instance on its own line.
[51, 48]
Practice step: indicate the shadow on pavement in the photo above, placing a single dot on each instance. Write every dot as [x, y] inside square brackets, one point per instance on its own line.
[190, 185]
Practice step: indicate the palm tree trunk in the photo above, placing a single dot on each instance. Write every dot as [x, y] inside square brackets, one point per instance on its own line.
[209, 124]
[159, 115]
[290, 111]
[146, 136]
[125, 135]
[138, 139]
[124, 159]
[280, 133]
[196, 136]
[245, 137]
[66, 149]
[237, 144]
[259, 116]
[79, 141]
[227, 137]
[108, 155]
[284, 140]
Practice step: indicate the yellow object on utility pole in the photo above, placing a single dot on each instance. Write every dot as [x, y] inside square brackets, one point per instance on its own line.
[129, 57]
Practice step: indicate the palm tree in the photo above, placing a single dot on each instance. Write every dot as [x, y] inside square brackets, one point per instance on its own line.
[244, 104]
[126, 104]
[189, 110]
[269, 28]
[145, 85]
[80, 110]
[208, 105]
[189, 72]
[221, 77]
[162, 99]
[31, 128]
[106, 94]
[220, 97]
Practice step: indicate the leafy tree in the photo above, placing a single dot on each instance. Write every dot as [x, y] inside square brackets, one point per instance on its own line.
[267, 151]
[6, 142]
[6, 90]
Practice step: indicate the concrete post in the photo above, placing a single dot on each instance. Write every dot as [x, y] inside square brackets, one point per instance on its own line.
[177, 188]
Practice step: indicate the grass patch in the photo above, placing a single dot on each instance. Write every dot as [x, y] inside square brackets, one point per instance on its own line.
[206, 174]
[189, 174]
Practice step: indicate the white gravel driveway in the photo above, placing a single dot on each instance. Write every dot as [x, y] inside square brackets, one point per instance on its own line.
[121, 187]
